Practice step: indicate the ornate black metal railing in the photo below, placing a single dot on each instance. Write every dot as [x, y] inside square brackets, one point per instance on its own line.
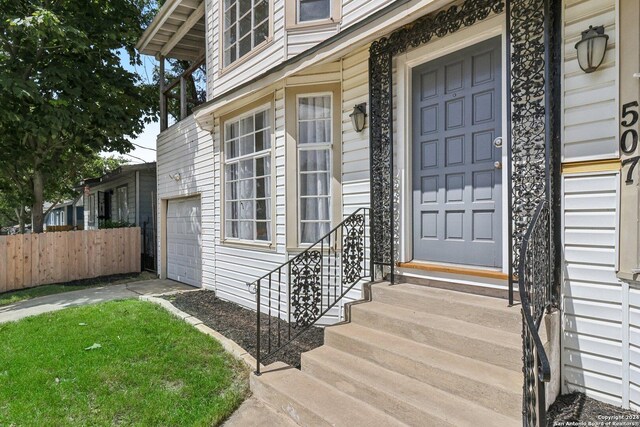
[296, 295]
[535, 279]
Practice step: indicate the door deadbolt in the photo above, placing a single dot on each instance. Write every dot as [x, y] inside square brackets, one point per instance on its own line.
[498, 142]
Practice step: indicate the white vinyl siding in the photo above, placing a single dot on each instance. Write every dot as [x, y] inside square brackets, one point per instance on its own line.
[592, 295]
[187, 150]
[590, 127]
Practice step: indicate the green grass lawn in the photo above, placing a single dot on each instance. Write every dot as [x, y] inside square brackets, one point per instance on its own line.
[149, 369]
[23, 294]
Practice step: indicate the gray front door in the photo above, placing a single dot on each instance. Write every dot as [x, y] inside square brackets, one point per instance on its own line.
[456, 182]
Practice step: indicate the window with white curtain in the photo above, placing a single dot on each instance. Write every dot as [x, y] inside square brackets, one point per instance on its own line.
[123, 208]
[315, 138]
[246, 25]
[313, 10]
[247, 172]
[92, 209]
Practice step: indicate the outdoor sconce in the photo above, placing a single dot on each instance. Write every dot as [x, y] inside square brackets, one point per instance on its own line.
[592, 48]
[359, 116]
[177, 177]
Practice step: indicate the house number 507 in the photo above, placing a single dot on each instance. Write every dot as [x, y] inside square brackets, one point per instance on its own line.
[629, 138]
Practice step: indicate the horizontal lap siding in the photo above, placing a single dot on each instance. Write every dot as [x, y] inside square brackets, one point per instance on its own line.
[634, 348]
[592, 295]
[187, 150]
[302, 39]
[354, 11]
[590, 112]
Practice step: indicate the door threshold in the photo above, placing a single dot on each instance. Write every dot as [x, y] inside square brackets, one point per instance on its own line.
[454, 269]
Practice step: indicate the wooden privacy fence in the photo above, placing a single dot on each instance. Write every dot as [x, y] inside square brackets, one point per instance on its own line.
[28, 260]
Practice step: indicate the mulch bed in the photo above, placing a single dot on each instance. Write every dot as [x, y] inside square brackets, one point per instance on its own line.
[576, 409]
[239, 324]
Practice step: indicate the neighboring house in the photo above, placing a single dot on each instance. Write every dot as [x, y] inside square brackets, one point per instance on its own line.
[63, 213]
[125, 195]
[477, 112]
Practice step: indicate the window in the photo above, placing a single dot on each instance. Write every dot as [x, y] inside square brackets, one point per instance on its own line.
[123, 208]
[314, 129]
[310, 13]
[247, 175]
[92, 209]
[246, 25]
[313, 10]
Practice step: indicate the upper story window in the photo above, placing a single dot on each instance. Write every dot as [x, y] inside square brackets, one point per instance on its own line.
[313, 10]
[247, 176]
[246, 25]
[308, 13]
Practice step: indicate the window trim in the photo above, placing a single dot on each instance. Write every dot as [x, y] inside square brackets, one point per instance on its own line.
[264, 103]
[291, 16]
[222, 68]
[292, 94]
[118, 188]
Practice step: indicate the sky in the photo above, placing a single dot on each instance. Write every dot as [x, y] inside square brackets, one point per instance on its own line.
[146, 141]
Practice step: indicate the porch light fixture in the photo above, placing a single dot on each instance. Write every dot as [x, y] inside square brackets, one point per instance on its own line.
[592, 48]
[359, 116]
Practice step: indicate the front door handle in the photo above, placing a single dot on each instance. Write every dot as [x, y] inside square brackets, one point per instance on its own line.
[498, 165]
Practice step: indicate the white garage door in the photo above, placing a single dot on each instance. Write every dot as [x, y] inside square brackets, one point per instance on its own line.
[184, 260]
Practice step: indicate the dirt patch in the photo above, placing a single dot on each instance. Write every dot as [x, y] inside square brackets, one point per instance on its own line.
[578, 409]
[239, 324]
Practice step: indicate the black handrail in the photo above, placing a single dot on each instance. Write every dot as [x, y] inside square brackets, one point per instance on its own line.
[535, 278]
[335, 262]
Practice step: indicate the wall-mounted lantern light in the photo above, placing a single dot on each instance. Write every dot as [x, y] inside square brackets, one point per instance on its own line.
[359, 116]
[176, 177]
[592, 48]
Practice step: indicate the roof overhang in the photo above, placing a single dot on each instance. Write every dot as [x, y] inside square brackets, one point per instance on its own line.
[177, 31]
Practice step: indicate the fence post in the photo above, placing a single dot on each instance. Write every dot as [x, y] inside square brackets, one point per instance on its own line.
[258, 329]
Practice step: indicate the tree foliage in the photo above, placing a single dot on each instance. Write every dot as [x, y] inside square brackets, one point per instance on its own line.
[65, 95]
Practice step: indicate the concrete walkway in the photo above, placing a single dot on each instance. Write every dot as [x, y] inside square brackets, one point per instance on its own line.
[56, 302]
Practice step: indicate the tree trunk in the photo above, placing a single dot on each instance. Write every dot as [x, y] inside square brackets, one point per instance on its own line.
[38, 203]
[20, 217]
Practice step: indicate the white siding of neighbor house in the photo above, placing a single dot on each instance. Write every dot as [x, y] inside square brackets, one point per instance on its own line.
[590, 100]
[187, 150]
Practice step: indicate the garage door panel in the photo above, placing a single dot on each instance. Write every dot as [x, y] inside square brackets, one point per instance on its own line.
[184, 241]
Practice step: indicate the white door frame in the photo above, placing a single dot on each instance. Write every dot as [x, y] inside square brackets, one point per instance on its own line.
[484, 30]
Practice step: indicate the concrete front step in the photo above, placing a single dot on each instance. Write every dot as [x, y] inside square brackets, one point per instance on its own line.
[489, 345]
[406, 399]
[477, 309]
[311, 402]
[254, 413]
[494, 387]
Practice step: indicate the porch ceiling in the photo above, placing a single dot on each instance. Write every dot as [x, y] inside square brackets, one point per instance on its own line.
[177, 31]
